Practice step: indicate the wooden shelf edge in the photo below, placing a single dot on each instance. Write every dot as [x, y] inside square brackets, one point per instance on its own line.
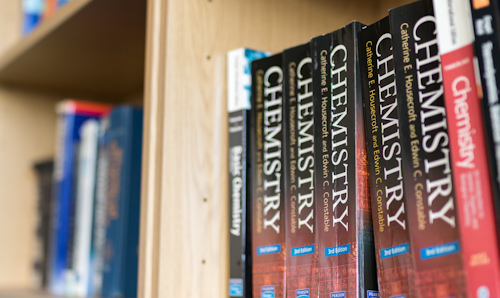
[26, 294]
[89, 48]
[45, 28]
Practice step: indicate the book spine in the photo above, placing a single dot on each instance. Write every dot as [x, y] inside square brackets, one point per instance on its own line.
[239, 84]
[84, 206]
[69, 273]
[392, 247]
[99, 218]
[32, 14]
[468, 148]
[268, 213]
[60, 3]
[346, 263]
[301, 261]
[132, 189]
[50, 8]
[45, 173]
[431, 205]
[123, 208]
[486, 21]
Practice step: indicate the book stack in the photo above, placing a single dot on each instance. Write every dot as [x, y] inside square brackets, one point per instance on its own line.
[96, 203]
[373, 161]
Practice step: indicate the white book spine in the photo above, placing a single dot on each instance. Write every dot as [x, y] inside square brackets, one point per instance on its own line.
[85, 206]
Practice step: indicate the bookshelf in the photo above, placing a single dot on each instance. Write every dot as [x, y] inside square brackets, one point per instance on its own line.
[184, 195]
[184, 223]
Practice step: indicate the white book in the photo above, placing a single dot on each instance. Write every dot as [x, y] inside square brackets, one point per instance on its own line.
[86, 185]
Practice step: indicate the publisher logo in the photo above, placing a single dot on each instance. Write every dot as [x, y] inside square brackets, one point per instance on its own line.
[271, 249]
[303, 293]
[236, 287]
[267, 292]
[372, 294]
[337, 295]
[439, 250]
[337, 251]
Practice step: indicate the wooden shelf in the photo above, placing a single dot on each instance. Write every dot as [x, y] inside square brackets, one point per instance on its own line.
[25, 294]
[92, 48]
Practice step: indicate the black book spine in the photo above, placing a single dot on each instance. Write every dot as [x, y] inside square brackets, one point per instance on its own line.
[394, 261]
[238, 260]
[428, 183]
[346, 261]
[486, 21]
[268, 204]
[301, 261]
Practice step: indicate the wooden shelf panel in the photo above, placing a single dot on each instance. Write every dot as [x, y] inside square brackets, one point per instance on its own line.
[25, 294]
[92, 48]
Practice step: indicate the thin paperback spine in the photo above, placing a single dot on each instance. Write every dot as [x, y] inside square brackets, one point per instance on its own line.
[84, 207]
[390, 225]
[99, 218]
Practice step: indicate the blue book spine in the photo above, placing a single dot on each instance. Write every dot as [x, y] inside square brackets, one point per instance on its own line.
[70, 121]
[61, 2]
[124, 188]
[32, 14]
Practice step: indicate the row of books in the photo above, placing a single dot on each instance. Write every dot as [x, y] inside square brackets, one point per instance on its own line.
[36, 11]
[93, 235]
[365, 162]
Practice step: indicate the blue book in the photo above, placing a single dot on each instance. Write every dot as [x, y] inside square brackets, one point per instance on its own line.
[72, 114]
[32, 14]
[124, 189]
[61, 2]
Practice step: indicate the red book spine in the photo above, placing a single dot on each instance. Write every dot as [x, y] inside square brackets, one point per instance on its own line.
[468, 150]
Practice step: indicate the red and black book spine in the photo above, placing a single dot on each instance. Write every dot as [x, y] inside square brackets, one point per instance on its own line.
[486, 22]
[346, 261]
[383, 136]
[428, 182]
[468, 148]
[267, 192]
[301, 260]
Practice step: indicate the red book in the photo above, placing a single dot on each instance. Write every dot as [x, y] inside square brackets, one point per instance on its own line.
[50, 8]
[468, 149]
